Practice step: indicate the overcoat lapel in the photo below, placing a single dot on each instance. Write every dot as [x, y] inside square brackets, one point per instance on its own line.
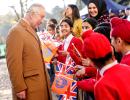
[29, 29]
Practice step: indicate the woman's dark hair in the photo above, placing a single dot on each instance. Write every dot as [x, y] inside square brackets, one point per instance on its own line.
[75, 12]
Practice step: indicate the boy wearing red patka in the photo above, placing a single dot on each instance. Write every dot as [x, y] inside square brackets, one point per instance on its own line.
[88, 71]
[120, 37]
[114, 81]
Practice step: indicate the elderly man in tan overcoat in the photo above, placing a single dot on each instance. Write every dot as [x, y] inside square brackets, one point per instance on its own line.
[25, 63]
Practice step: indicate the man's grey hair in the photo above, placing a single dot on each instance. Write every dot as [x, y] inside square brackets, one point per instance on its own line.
[34, 8]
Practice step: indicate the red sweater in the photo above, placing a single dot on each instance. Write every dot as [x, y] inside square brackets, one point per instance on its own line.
[88, 84]
[114, 84]
[78, 44]
[126, 59]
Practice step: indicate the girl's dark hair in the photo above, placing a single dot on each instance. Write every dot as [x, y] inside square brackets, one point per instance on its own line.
[68, 21]
[75, 12]
[93, 22]
[52, 26]
[53, 20]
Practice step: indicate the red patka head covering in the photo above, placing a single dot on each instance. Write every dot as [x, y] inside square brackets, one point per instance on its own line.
[120, 28]
[86, 34]
[96, 46]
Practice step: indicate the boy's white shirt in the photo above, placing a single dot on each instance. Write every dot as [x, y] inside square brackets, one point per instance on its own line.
[107, 67]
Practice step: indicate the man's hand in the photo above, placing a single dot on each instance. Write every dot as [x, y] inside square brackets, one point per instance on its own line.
[21, 95]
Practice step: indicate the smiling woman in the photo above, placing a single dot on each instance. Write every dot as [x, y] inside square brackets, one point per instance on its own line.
[97, 9]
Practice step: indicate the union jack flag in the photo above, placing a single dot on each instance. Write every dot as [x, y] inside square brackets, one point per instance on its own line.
[59, 67]
[70, 93]
[69, 69]
[70, 61]
[64, 69]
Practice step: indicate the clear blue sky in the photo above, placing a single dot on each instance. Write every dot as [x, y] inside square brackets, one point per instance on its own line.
[49, 4]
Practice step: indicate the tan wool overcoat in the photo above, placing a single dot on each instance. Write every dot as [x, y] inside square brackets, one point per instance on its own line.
[25, 63]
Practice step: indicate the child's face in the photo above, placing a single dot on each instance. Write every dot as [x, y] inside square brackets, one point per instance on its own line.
[116, 43]
[65, 29]
[50, 30]
[86, 26]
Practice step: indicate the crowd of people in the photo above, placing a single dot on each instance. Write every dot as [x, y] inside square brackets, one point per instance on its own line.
[98, 44]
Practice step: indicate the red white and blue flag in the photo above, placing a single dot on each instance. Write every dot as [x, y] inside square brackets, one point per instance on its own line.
[61, 83]
[64, 84]
[64, 69]
[70, 61]
[70, 93]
